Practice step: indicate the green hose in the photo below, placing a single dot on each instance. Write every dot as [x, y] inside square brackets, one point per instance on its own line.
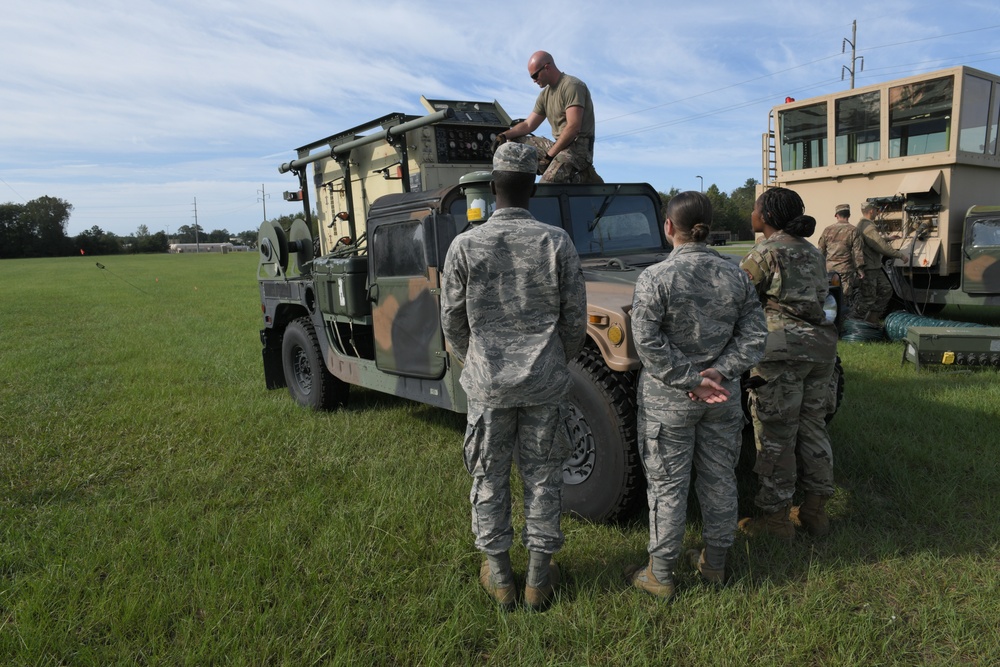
[860, 331]
[897, 324]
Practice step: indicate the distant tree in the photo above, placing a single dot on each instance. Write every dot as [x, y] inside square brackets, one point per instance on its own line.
[248, 238]
[186, 234]
[743, 199]
[95, 241]
[12, 236]
[35, 229]
[149, 243]
[731, 212]
[218, 236]
[142, 231]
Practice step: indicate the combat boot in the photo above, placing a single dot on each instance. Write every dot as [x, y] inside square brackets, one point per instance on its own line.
[540, 583]
[811, 515]
[710, 563]
[776, 524]
[499, 585]
[642, 577]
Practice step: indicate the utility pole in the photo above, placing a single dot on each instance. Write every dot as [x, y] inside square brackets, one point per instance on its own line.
[197, 243]
[853, 41]
[262, 199]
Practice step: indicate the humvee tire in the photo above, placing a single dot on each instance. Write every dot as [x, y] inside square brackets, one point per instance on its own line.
[602, 476]
[309, 382]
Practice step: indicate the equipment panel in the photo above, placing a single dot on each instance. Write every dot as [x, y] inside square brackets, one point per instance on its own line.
[464, 144]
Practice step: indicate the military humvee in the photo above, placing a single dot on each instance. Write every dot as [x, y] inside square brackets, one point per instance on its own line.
[366, 310]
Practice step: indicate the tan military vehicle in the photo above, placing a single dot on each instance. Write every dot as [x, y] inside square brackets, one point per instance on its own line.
[922, 149]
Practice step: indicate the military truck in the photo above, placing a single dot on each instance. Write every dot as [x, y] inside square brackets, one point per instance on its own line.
[924, 151]
[365, 311]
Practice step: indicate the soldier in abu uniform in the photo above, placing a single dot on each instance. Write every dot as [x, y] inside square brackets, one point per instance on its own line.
[565, 101]
[793, 393]
[698, 326]
[843, 249]
[513, 307]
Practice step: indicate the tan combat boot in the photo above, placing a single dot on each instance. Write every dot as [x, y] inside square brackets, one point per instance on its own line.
[811, 515]
[776, 524]
[505, 596]
[710, 563]
[541, 581]
[642, 577]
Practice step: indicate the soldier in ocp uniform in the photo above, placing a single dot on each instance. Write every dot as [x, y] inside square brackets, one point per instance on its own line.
[793, 393]
[513, 307]
[565, 101]
[843, 249]
[876, 290]
[698, 326]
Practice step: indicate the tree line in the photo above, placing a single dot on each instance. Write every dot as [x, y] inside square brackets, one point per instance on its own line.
[38, 229]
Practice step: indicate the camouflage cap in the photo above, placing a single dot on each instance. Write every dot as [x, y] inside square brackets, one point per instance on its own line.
[516, 157]
[842, 209]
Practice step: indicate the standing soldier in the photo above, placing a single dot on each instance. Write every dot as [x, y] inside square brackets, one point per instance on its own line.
[842, 247]
[876, 290]
[698, 326]
[565, 101]
[513, 307]
[792, 394]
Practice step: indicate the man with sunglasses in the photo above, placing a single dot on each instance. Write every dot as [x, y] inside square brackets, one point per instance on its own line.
[565, 101]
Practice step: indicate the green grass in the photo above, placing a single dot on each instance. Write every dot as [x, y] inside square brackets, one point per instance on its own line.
[159, 506]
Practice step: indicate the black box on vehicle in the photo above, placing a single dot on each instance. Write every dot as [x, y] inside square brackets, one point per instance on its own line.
[341, 285]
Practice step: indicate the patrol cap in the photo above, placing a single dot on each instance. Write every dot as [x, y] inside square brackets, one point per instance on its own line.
[842, 209]
[516, 157]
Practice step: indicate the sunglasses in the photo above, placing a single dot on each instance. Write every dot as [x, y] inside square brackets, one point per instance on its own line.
[534, 76]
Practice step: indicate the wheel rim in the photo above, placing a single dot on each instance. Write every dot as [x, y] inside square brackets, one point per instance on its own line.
[302, 371]
[580, 464]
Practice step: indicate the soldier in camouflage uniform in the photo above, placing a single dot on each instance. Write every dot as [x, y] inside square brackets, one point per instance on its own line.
[698, 326]
[566, 102]
[876, 290]
[843, 249]
[513, 307]
[793, 393]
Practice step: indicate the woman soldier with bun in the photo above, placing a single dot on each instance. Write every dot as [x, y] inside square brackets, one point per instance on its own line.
[792, 394]
[698, 326]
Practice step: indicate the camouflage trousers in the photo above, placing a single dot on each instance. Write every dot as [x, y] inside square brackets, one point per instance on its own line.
[671, 442]
[789, 420]
[572, 165]
[852, 292]
[538, 435]
[873, 296]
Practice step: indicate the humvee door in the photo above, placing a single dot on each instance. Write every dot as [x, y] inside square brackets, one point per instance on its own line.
[406, 295]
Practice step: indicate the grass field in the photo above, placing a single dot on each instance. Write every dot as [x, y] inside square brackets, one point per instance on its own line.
[158, 506]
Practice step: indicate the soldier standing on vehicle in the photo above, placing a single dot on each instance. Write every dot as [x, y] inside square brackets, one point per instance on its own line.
[698, 326]
[792, 393]
[843, 249]
[513, 307]
[565, 101]
[876, 290]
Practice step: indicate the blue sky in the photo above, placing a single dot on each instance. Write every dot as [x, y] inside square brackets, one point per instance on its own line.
[133, 111]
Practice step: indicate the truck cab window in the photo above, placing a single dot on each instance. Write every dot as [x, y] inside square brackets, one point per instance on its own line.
[920, 117]
[803, 137]
[857, 119]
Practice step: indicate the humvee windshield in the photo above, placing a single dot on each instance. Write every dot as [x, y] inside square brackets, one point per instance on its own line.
[603, 224]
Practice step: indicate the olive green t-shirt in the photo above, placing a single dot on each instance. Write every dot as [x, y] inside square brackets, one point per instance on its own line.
[568, 91]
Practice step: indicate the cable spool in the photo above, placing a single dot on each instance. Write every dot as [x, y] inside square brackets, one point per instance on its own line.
[861, 331]
[897, 324]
